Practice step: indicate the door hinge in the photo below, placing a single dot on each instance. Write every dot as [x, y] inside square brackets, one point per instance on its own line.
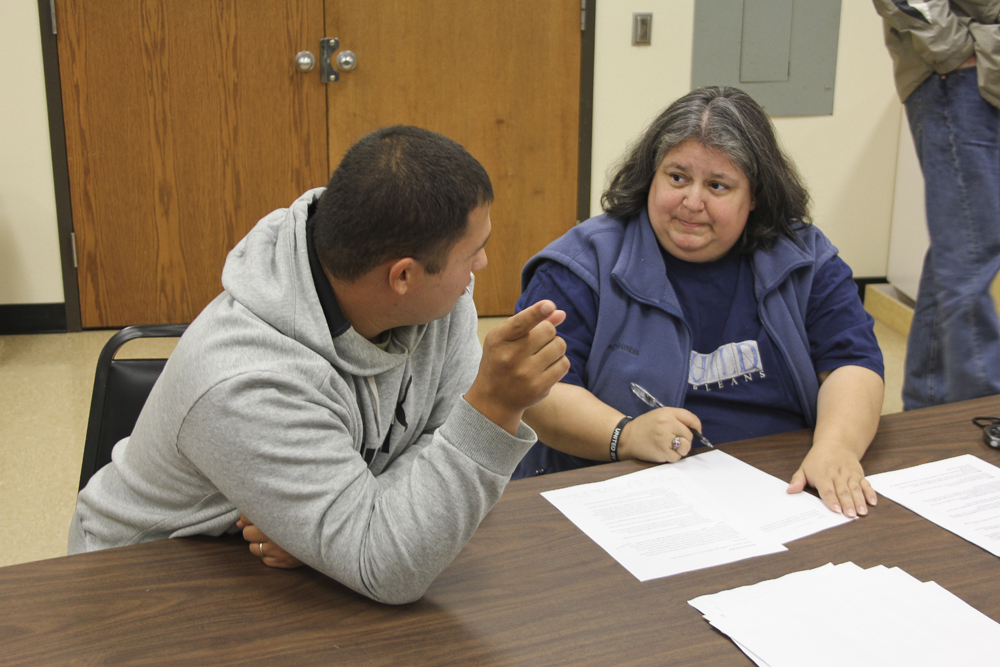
[583, 15]
[52, 12]
[72, 243]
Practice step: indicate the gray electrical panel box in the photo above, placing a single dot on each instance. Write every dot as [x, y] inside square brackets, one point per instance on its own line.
[782, 52]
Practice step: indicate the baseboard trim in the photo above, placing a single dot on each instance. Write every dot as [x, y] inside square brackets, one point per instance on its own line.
[29, 318]
[863, 284]
[51, 317]
[890, 306]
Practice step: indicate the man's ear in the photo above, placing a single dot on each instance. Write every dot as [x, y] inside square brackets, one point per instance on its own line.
[402, 273]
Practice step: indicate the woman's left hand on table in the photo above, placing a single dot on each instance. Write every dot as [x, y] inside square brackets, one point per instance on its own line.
[837, 475]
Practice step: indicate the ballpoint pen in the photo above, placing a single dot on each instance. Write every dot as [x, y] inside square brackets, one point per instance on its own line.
[652, 402]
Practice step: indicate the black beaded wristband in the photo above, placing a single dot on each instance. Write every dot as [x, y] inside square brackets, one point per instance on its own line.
[616, 435]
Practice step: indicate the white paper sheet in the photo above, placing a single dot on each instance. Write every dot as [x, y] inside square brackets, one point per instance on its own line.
[656, 524]
[960, 494]
[837, 615]
[706, 510]
[759, 498]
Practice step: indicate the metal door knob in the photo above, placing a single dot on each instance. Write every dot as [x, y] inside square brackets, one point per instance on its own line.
[346, 61]
[304, 61]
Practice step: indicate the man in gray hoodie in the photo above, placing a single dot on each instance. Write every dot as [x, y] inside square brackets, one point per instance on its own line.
[335, 393]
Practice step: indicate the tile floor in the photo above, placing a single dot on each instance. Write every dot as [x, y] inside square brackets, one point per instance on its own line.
[45, 387]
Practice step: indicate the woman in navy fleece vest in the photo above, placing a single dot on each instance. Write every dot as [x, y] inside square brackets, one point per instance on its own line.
[704, 283]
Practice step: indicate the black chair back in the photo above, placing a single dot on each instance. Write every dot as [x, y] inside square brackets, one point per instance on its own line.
[121, 387]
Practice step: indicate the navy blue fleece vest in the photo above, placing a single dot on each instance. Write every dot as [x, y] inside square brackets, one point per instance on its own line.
[640, 326]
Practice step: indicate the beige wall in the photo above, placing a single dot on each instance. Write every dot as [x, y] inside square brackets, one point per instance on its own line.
[29, 246]
[848, 160]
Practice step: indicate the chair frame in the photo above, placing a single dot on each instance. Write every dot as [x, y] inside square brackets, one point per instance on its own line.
[98, 402]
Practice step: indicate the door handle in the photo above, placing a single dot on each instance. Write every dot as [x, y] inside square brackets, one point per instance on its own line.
[346, 61]
[304, 61]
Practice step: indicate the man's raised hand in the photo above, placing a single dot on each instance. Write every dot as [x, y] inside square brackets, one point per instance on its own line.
[522, 359]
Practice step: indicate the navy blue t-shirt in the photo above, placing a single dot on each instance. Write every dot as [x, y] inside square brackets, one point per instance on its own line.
[738, 382]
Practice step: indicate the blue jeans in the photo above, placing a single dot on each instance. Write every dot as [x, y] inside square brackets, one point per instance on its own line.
[954, 348]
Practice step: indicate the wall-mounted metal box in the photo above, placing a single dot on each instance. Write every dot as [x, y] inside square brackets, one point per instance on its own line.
[782, 52]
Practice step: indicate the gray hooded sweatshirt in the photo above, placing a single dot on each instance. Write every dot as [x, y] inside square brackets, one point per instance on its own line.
[364, 463]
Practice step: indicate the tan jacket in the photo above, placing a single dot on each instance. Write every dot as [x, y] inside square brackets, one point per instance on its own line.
[938, 36]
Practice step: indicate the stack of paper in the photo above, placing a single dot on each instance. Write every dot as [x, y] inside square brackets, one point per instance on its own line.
[704, 510]
[843, 615]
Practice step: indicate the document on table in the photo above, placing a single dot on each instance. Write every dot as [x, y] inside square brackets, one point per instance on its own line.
[758, 498]
[705, 510]
[812, 617]
[960, 494]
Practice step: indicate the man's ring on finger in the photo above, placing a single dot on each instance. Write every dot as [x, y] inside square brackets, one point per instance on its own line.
[676, 444]
[260, 548]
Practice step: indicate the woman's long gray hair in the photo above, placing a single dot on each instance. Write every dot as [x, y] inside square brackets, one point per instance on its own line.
[729, 121]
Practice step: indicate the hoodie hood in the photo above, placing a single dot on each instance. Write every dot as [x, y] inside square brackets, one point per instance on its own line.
[268, 273]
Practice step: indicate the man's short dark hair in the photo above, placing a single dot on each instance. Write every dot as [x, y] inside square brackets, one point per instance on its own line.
[400, 191]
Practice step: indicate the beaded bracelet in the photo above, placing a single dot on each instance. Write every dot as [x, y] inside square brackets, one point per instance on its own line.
[616, 435]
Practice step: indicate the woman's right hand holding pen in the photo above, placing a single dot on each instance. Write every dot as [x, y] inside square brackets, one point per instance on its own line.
[650, 436]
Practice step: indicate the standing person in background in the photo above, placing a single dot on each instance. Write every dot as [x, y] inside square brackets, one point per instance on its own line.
[946, 60]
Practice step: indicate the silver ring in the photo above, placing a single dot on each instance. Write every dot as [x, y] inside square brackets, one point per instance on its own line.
[260, 548]
[676, 444]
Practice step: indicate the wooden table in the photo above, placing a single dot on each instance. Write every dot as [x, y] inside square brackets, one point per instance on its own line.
[528, 589]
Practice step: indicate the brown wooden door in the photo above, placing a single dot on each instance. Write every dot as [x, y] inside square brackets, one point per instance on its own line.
[186, 121]
[501, 77]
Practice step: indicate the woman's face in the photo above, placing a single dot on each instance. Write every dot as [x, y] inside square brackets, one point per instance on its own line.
[698, 202]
